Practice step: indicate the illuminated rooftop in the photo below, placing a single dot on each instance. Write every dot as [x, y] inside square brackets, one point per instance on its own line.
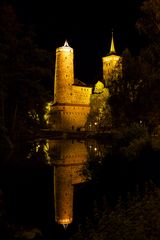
[112, 48]
[66, 44]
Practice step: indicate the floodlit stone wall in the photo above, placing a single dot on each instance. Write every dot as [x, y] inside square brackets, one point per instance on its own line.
[64, 74]
[69, 117]
[71, 102]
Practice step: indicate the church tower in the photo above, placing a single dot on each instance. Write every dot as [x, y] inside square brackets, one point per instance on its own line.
[110, 64]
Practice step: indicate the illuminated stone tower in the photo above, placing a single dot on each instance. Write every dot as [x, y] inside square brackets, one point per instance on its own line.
[111, 64]
[71, 97]
[64, 74]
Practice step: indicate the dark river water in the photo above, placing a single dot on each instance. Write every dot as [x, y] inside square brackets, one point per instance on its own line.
[43, 186]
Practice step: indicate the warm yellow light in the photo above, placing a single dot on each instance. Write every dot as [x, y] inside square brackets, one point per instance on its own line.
[48, 109]
[64, 220]
[37, 147]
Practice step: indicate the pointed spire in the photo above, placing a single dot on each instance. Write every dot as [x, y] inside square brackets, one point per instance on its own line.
[112, 48]
[66, 43]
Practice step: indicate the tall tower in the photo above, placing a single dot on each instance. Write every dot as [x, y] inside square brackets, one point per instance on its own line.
[71, 104]
[64, 73]
[111, 64]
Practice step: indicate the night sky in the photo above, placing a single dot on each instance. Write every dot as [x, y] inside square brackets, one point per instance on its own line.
[86, 26]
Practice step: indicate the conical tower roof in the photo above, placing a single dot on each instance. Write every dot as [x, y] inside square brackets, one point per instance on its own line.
[112, 48]
[66, 43]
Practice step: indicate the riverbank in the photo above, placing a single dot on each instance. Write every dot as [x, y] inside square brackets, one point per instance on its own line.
[45, 133]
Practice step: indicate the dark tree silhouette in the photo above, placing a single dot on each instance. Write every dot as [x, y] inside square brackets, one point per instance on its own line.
[25, 71]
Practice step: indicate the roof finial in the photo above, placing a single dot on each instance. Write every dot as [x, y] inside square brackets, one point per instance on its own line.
[66, 43]
[112, 48]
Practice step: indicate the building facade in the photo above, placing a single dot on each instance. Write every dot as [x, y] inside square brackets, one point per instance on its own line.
[111, 64]
[71, 104]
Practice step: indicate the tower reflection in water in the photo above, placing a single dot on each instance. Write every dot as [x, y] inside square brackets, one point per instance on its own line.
[68, 158]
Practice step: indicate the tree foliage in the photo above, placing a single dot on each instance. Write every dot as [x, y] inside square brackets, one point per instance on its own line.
[149, 23]
[99, 117]
[149, 27]
[136, 218]
[124, 91]
[25, 71]
[135, 96]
